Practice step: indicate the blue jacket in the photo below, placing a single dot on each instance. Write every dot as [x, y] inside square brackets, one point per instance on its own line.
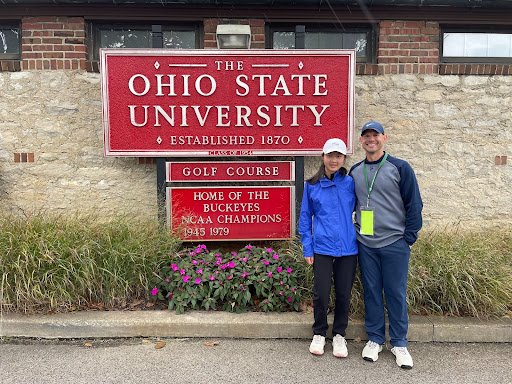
[325, 222]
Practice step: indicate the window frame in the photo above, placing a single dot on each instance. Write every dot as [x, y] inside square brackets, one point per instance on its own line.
[370, 29]
[472, 29]
[94, 28]
[12, 24]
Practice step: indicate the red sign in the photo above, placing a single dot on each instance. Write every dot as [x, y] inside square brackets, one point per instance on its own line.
[232, 213]
[226, 103]
[230, 171]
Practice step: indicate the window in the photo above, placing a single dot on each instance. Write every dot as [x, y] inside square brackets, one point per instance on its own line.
[484, 45]
[328, 36]
[9, 41]
[181, 36]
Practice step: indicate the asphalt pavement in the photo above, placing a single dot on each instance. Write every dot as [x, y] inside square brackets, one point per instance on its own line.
[221, 347]
[232, 360]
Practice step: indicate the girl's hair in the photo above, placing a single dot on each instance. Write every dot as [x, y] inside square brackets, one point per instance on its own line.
[321, 172]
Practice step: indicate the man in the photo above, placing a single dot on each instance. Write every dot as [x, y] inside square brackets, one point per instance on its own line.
[388, 218]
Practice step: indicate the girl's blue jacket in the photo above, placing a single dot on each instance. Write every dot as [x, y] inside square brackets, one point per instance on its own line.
[325, 222]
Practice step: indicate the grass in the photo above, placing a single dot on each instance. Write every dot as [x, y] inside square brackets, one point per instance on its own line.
[460, 273]
[68, 263]
[60, 264]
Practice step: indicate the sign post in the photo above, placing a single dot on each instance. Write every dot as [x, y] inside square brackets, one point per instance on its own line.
[300, 43]
[157, 41]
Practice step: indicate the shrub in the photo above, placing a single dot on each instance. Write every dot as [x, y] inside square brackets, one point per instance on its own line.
[461, 273]
[57, 263]
[252, 277]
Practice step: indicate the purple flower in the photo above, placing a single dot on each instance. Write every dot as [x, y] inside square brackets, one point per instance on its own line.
[169, 295]
[154, 291]
[173, 266]
[194, 262]
[191, 253]
[200, 271]
[279, 269]
[231, 264]
[248, 247]
[230, 277]
[266, 262]
[217, 263]
[167, 280]
[198, 250]
[293, 290]
[289, 299]
[282, 282]
[185, 278]
[269, 250]
[202, 246]
[275, 256]
[234, 253]
[182, 272]
[212, 278]
[281, 293]
[270, 274]
[245, 259]
[289, 270]
[198, 281]
[224, 266]
[244, 274]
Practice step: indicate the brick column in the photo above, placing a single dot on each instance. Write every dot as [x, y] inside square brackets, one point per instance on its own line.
[50, 42]
[408, 47]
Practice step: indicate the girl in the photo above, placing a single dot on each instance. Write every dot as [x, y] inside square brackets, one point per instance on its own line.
[329, 243]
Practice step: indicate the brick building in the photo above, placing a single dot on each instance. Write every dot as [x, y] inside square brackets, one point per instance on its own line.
[436, 73]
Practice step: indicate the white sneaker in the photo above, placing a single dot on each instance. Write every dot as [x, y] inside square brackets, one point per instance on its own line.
[403, 358]
[339, 346]
[317, 345]
[371, 351]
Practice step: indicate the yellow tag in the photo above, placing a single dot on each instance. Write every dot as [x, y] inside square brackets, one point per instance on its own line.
[366, 222]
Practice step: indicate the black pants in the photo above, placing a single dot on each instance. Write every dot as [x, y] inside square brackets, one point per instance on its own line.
[343, 270]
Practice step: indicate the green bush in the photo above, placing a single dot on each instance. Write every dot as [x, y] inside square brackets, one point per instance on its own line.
[236, 281]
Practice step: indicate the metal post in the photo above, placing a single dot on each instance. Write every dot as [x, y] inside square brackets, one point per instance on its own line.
[157, 41]
[300, 39]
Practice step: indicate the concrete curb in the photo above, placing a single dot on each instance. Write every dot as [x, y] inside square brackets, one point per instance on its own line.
[228, 325]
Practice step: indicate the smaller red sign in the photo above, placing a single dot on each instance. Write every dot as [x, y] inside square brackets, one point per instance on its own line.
[230, 171]
[232, 213]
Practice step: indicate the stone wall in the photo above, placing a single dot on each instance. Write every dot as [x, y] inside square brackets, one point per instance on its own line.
[56, 116]
[453, 127]
[452, 130]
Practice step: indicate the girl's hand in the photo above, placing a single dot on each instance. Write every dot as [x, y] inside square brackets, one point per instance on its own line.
[309, 260]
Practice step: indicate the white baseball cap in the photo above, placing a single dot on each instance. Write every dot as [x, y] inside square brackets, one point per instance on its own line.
[335, 145]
